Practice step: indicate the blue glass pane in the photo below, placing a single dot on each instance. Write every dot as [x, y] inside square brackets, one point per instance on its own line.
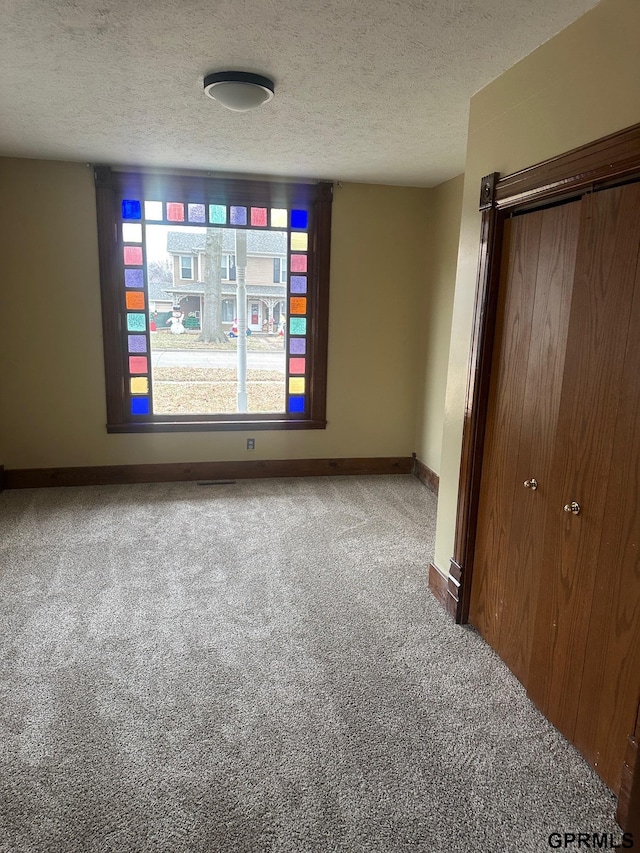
[299, 218]
[136, 322]
[139, 405]
[298, 284]
[238, 215]
[137, 343]
[131, 209]
[133, 278]
[298, 325]
[296, 403]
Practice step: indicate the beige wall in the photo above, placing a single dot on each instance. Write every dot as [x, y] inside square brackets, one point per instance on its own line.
[51, 342]
[435, 317]
[579, 86]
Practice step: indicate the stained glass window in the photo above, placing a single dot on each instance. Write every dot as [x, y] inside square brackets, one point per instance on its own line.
[165, 232]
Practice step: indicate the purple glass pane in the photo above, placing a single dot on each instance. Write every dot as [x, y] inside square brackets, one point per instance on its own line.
[238, 215]
[298, 346]
[137, 343]
[133, 278]
[196, 213]
[298, 284]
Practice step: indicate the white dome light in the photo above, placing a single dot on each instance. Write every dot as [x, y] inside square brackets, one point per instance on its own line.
[238, 90]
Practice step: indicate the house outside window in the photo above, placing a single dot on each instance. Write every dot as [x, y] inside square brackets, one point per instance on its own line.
[186, 267]
[145, 208]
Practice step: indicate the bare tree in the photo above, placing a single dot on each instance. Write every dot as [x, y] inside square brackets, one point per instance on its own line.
[159, 272]
[212, 332]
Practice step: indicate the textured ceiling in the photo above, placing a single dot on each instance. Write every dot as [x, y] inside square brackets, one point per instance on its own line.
[366, 90]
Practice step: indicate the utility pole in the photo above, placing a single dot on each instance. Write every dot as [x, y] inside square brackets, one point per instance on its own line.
[241, 301]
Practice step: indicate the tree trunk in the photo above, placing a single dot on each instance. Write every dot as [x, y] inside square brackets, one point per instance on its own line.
[211, 320]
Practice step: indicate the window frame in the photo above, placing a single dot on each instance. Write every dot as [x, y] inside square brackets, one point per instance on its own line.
[181, 259]
[112, 186]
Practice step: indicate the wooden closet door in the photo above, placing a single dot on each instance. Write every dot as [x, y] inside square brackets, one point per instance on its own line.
[585, 663]
[528, 361]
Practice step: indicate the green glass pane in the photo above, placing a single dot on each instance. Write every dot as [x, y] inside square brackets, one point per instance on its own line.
[298, 326]
[218, 214]
[136, 322]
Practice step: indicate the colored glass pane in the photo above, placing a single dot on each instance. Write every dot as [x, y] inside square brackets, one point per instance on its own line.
[299, 241]
[135, 300]
[153, 211]
[296, 385]
[258, 216]
[299, 219]
[139, 385]
[218, 214]
[238, 215]
[278, 218]
[297, 304]
[137, 343]
[138, 364]
[132, 232]
[175, 211]
[298, 284]
[131, 209]
[133, 256]
[139, 405]
[297, 346]
[297, 365]
[297, 326]
[196, 213]
[136, 322]
[296, 404]
[133, 278]
[298, 263]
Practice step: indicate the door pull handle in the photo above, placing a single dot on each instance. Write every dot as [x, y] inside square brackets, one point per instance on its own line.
[574, 507]
[531, 484]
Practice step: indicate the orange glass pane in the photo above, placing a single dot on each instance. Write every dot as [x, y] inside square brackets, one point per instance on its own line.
[135, 300]
[298, 305]
[296, 365]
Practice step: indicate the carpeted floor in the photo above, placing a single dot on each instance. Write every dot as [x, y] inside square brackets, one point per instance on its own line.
[259, 667]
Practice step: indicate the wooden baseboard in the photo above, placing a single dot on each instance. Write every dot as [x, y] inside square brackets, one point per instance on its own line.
[102, 475]
[426, 475]
[439, 586]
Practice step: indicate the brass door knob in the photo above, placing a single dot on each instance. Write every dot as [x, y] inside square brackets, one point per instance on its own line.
[573, 507]
[531, 484]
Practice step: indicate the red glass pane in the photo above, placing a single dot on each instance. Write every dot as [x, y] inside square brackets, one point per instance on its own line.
[133, 256]
[297, 365]
[298, 263]
[258, 216]
[139, 364]
[175, 211]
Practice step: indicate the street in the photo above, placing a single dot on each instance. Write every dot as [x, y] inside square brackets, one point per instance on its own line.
[213, 358]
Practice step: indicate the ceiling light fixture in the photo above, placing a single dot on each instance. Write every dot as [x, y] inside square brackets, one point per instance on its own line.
[239, 91]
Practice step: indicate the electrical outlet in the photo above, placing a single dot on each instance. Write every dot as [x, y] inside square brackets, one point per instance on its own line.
[251, 444]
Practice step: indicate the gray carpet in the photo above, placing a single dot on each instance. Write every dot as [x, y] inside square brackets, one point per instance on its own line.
[259, 667]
